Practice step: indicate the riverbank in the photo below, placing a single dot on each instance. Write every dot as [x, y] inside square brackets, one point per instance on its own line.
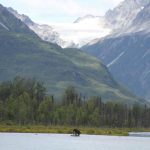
[68, 130]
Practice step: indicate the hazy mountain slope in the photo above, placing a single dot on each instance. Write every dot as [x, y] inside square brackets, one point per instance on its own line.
[26, 55]
[128, 60]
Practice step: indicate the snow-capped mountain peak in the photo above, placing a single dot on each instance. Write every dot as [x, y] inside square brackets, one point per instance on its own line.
[45, 32]
[86, 18]
[22, 17]
[125, 13]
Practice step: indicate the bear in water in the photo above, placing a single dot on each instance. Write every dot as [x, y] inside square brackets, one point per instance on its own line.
[76, 132]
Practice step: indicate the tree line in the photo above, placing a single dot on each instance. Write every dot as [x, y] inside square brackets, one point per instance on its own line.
[25, 101]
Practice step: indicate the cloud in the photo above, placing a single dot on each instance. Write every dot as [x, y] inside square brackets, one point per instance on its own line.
[58, 9]
[69, 7]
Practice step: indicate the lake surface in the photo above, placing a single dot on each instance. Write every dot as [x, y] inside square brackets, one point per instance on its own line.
[29, 141]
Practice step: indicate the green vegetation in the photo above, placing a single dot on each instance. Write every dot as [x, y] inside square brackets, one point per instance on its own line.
[25, 102]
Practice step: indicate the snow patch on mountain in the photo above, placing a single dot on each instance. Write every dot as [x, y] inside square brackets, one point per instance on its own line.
[116, 59]
[5, 27]
[146, 53]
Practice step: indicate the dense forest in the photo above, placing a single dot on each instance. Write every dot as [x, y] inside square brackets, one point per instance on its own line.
[25, 101]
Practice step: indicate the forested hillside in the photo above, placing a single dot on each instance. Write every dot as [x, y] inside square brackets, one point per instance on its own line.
[24, 101]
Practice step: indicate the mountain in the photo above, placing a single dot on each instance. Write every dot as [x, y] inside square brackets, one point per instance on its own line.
[127, 58]
[126, 51]
[24, 54]
[123, 15]
[45, 32]
[142, 20]
[13, 24]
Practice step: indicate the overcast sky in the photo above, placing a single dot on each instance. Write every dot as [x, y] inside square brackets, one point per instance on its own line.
[60, 11]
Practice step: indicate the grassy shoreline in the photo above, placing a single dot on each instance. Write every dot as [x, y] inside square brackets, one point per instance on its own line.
[68, 130]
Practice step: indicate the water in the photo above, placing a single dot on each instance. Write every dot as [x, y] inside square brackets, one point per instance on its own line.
[29, 141]
[140, 134]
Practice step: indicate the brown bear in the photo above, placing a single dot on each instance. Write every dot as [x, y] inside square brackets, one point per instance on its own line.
[76, 132]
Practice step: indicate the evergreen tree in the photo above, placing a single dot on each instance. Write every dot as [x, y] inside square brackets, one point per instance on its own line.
[45, 111]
